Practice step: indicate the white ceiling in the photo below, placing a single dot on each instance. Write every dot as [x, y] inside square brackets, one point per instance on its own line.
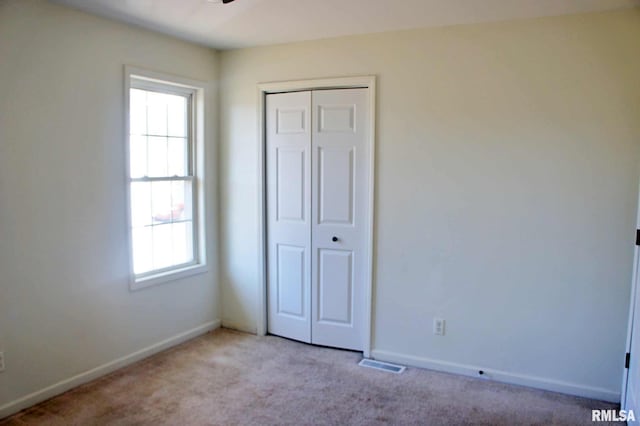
[245, 23]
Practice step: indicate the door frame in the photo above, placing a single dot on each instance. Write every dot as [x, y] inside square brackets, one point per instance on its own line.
[632, 312]
[263, 89]
[632, 304]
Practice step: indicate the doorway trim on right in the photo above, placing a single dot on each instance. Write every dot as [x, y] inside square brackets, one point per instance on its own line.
[629, 357]
[367, 81]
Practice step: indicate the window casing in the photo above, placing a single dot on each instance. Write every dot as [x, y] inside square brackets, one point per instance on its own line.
[164, 182]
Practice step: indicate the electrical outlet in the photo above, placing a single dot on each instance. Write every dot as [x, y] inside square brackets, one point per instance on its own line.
[1, 362]
[438, 326]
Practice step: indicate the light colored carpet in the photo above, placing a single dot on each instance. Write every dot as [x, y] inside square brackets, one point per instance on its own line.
[231, 378]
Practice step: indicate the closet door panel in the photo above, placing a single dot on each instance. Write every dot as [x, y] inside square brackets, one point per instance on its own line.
[288, 165]
[339, 216]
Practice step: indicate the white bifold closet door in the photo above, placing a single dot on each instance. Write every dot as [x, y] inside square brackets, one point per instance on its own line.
[289, 215]
[317, 215]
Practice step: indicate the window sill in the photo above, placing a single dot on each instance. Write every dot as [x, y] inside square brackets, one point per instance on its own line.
[153, 280]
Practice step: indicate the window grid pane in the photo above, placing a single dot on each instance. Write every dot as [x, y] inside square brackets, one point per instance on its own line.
[156, 118]
[162, 205]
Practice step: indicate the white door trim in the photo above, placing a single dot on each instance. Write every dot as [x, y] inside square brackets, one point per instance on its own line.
[632, 304]
[368, 81]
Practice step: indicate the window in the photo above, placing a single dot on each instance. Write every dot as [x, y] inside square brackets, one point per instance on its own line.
[163, 181]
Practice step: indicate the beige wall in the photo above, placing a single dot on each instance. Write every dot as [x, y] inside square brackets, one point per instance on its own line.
[65, 305]
[507, 181]
[505, 203]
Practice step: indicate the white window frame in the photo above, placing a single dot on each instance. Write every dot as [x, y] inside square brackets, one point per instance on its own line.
[136, 78]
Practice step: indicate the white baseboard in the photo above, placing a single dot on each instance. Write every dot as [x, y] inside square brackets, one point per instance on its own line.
[499, 376]
[87, 376]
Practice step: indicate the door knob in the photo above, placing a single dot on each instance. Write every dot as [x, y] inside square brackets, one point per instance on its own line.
[334, 239]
